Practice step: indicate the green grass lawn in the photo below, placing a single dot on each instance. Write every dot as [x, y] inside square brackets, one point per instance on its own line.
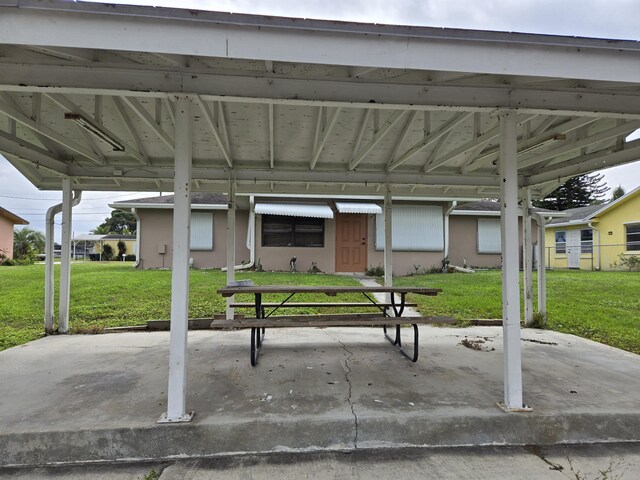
[603, 306]
[115, 294]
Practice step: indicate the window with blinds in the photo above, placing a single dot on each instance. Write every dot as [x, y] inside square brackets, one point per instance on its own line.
[489, 240]
[416, 228]
[202, 231]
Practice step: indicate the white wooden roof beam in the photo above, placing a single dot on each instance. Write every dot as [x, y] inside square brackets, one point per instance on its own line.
[486, 159]
[146, 117]
[99, 79]
[455, 120]
[37, 127]
[271, 136]
[68, 106]
[313, 41]
[563, 149]
[377, 138]
[211, 121]
[12, 145]
[325, 131]
[587, 163]
[74, 54]
[361, 131]
[474, 144]
[121, 112]
[403, 136]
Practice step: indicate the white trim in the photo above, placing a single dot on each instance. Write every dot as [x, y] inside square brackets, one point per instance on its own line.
[352, 207]
[294, 210]
[168, 206]
[612, 204]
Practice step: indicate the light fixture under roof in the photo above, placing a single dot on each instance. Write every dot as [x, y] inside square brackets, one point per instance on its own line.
[95, 130]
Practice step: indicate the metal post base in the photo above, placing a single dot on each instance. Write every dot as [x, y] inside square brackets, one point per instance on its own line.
[504, 408]
[187, 417]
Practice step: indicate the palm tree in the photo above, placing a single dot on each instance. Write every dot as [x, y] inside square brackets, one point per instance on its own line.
[27, 243]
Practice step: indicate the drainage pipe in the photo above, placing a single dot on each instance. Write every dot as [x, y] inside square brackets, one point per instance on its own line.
[48, 261]
[251, 238]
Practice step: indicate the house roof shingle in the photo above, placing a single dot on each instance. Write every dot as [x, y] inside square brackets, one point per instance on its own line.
[199, 198]
[13, 217]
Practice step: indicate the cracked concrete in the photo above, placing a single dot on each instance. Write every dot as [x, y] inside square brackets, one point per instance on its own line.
[347, 372]
[109, 391]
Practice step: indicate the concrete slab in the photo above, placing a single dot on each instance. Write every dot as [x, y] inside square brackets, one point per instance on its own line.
[137, 471]
[85, 398]
[449, 463]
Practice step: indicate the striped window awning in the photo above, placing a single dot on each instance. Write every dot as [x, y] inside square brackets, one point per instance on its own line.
[294, 210]
[352, 207]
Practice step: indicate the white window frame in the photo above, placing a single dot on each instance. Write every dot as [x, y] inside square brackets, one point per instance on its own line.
[489, 244]
[564, 244]
[626, 237]
[586, 246]
[415, 228]
[201, 231]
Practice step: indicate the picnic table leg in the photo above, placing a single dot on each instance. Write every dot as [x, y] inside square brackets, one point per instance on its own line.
[257, 333]
[414, 356]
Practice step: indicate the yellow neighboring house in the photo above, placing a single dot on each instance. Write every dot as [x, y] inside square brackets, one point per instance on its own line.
[113, 238]
[594, 237]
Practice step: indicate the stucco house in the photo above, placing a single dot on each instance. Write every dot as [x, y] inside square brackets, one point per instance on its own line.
[337, 235]
[7, 222]
[594, 237]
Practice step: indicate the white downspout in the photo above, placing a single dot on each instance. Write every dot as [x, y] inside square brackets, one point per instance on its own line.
[48, 261]
[598, 240]
[446, 227]
[137, 250]
[542, 259]
[251, 238]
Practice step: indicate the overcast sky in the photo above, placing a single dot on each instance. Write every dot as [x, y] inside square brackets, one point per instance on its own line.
[589, 18]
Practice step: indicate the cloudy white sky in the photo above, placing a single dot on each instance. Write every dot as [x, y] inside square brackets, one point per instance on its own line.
[589, 18]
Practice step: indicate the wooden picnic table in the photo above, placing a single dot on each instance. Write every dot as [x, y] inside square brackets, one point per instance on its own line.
[264, 319]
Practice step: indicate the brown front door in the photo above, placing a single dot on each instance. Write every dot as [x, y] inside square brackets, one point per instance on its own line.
[351, 242]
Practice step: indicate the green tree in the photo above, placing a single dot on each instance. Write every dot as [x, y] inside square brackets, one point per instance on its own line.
[617, 193]
[576, 192]
[27, 244]
[107, 252]
[122, 249]
[119, 222]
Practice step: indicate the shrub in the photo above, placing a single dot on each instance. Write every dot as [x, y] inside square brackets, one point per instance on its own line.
[130, 258]
[107, 252]
[375, 271]
[122, 249]
[630, 262]
[7, 262]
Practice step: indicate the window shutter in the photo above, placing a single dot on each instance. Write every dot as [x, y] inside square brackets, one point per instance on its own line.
[202, 231]
[489, 239]
[415, 228]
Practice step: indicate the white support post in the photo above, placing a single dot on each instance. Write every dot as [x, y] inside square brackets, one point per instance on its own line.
[177, 389]
[527, 259]
[510, 260]
[542, 267]
[65, 258]
[388, 239]
[231, 243]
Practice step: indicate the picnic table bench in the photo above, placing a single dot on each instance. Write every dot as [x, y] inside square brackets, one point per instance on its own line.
[265, 318]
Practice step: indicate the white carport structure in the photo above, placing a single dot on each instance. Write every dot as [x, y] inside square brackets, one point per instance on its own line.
[107, 97]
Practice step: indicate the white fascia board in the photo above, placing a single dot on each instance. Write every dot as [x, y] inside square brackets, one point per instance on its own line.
[330, 92]
[568, 224]
[213, 34]
[166, 206]
[492, 213]
[612, 204]
[476, 213]
[294, 210]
